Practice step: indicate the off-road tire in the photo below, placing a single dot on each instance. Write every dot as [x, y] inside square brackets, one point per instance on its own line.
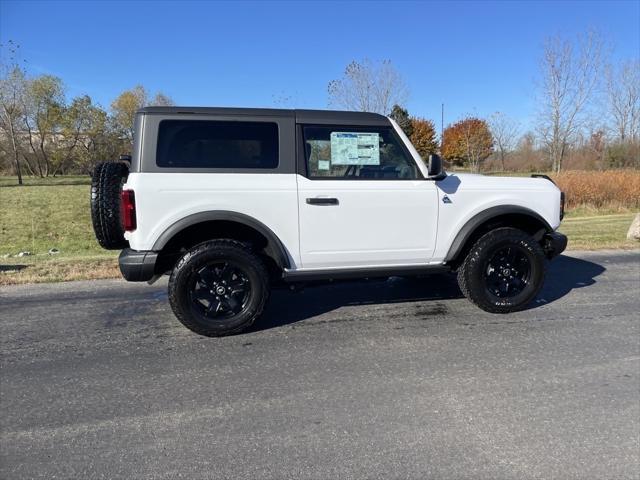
[106, 186]
[211, 252]
[471, 273]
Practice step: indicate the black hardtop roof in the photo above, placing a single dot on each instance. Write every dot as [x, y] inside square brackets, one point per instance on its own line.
[301, 116]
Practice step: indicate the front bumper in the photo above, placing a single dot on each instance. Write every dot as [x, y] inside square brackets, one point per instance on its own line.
[554, 244]
[137, 266]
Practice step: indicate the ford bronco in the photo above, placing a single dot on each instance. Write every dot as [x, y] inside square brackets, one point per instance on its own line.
[232, 201]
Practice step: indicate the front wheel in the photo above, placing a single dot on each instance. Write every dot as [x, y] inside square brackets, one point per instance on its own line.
[503, 271]
[218, 288]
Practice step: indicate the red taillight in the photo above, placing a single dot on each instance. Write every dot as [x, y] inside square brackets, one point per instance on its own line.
[128, 210]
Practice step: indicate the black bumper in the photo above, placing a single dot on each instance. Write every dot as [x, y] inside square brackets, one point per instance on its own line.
[137, 266]
[554, 244]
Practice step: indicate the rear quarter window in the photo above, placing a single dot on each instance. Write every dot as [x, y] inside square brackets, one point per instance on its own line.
[215, 144]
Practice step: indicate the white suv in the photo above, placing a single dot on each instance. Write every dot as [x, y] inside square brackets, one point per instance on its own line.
[232, 201]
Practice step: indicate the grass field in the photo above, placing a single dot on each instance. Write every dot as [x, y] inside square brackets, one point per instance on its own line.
[54, 213]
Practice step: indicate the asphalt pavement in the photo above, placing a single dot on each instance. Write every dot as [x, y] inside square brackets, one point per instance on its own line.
[401, 378]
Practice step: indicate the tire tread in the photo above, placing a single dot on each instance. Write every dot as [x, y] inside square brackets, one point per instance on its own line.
[220, 245]
[473, 291]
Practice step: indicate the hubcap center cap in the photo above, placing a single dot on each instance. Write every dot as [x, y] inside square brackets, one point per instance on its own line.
[220, 290]
[506, 272]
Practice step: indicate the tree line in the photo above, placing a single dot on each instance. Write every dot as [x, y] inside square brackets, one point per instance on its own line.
[43, 133]
[588, 112]
[588, 116]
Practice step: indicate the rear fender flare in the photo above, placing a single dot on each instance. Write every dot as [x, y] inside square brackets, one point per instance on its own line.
[275, 249]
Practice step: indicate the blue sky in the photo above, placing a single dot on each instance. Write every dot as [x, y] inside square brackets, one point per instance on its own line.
[476, 57]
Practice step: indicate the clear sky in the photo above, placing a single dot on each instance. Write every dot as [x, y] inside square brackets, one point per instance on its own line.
[476, 57]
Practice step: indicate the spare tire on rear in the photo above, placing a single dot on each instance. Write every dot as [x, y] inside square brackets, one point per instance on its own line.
[106, 186]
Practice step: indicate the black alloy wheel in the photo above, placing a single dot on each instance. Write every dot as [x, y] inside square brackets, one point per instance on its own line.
[220, 290]
[507, 272]
[219, 287]
[503, 271]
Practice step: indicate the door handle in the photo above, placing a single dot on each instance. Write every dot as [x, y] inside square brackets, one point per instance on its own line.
[322, 201]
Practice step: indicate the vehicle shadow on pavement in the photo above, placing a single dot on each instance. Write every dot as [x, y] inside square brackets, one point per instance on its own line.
[565, 274]
[285, 307]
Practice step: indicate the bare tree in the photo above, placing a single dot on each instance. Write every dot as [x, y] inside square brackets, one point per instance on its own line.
[623, 95]
[368, 86]
[505, 131]
[569, 78]
[161, 100]
[12, 90]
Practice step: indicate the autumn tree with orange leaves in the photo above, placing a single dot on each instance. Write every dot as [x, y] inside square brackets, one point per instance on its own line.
[423, 137]
[467, 142]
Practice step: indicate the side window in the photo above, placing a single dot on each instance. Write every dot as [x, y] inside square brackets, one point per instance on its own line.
[354, 153]
[212, 144]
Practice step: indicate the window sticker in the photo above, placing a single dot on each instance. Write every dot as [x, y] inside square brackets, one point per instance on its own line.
[324, 165]
[355, 148]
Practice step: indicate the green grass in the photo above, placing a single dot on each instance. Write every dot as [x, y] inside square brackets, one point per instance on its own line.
[54, 213]
[8, 181]
[594, 232]
[37, 218]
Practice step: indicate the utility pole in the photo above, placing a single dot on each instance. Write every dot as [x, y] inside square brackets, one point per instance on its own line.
[441, 127]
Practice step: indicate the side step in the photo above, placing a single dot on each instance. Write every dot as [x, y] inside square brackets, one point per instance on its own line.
[353, 273]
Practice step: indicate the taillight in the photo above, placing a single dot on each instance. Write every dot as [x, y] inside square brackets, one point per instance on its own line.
[128, 210]
[561, 205]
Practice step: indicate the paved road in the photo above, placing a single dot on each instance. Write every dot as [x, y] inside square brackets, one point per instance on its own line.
[395, 379]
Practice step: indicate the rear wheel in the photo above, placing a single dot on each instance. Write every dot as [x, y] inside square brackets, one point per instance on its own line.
[503, 271]
[218, 288]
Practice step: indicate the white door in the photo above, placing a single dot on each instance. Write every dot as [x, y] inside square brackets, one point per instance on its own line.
[363, 202]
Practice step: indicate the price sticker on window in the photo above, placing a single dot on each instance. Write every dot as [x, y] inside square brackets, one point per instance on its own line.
[355, 148]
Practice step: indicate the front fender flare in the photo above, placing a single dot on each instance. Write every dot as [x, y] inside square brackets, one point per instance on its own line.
[484, 216]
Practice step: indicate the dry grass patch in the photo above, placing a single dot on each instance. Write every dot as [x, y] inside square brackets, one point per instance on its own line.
[59, 270]
[611, 190]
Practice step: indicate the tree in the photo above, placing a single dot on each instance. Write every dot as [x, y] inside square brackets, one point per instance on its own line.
[401, 117]
[125, 106]
[86, 135]
[424, 137]
[623, 94]
[505, 131]
[569, 77]
[467, 142]
[161, 100]
[12, 90]
[368, 87]
[43, 103]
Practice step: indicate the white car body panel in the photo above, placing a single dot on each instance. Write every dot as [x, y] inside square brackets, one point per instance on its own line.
[471, 194]
[162, 200]
[376, 223]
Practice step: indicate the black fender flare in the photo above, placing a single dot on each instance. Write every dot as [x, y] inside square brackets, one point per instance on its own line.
[275, 249]
[484, 216]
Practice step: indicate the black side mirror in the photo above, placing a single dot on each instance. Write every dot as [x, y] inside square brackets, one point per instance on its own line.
[435, 166]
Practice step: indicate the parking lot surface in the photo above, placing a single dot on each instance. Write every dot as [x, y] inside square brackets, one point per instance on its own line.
[401, 378]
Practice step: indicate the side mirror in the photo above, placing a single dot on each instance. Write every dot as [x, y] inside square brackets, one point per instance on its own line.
[435, 166]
